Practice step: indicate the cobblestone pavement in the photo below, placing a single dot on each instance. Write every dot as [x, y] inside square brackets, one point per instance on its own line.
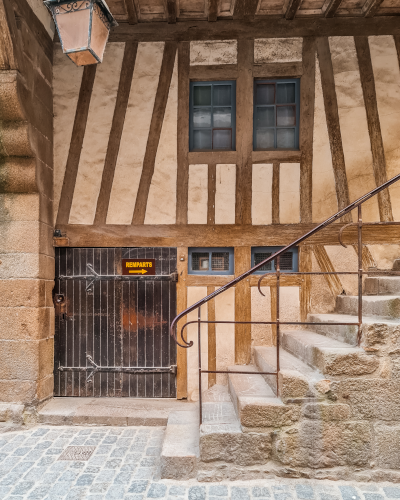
[123, 466]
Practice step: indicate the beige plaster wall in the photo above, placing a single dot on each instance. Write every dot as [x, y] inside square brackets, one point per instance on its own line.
[161, 205]
[322, 300]
[385, 65]
[198, 194]
[289, 193]
[384, 255]
[267, 50]
[261, 311]
[345, 259]
[44, 16]
[289, 309]
[324, 200]
[135, 133]
[95, 142]
[261, 210]
[213, 52]
[225, 311]
[353, 124]
[225, 194]
[66, 84]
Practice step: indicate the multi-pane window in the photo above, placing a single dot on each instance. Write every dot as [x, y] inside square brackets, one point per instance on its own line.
[288, 260]
[276, 114]
[211, 261]
[212, 115]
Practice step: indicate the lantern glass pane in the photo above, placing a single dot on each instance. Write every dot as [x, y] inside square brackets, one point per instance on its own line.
[99, 36]
[74, 29]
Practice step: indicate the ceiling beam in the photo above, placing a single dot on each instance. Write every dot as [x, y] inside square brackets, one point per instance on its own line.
[212, 10]
[292, 9]
[330, 7]
[131, 10]
[245, 9]
[371, 7]
[172, 10]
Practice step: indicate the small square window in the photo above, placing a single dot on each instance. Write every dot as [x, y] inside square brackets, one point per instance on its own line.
[221, 260]
[288, 260]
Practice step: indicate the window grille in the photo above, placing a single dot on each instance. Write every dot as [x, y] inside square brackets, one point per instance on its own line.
[211, 261]
[288, 260]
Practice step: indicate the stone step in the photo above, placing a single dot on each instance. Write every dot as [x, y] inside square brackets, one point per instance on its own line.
[328, 355]
[255, 403]
[180, 451]
[385, 306]
[382, 285]
[296, 379]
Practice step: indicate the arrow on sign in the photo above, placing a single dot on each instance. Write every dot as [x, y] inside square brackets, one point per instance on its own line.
[142, 271]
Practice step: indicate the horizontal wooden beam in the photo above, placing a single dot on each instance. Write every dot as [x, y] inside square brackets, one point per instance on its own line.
[213, 72]
[196, 235]
[259, 28]
[207, 157]
[271, 156]
[194, 280]
[270, 280]
[276, 70]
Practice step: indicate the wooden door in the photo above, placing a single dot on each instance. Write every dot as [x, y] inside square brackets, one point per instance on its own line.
[112, 331]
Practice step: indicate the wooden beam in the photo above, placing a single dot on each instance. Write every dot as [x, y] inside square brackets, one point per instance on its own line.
[288, 156]
[330, 7]
[326, 266]
[157, 119]
[75, 149]
[397, 44]
[218, 235]
[259, 28]
[201, 157]
[212, 339]
[371, 7]
[131, 10]
[172, 9]
[242, 307]
[278, 70]
[117, 126]
[207, 280]
[212, 10]
[374, 126]
[245, 9]
[367, 258]
[307, 101]
[212, 186]
[181, 305]
[286, 280]
[274, 296]
[333, 124]
[182, 181]
[292, 8]
[305, 266]
[213, 72]
[244, 131]
[8, 37]
[275, 193]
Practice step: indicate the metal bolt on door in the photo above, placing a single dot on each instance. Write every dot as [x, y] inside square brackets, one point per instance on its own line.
[112, 331]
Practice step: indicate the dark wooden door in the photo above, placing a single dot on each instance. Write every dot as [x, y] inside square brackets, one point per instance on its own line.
[112, 331]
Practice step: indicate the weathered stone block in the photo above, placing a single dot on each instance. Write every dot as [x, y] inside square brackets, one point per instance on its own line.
[19, 360]
[387, 446]
[336, 362]
[293, 384]
[45, 387]
[22, 293]
[327, 412]
[46, 357]
[259, 412]
[11, 413]
[26, 265]
[17, 391]
[19, 207]
[26, 323]
[16, 236]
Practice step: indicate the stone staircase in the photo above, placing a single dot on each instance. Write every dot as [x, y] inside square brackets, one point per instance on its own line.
[338, 411]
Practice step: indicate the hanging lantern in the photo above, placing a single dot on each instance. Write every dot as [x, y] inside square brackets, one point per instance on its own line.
[83, 27]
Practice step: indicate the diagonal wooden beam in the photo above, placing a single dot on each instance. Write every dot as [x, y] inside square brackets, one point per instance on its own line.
[374, 126]
[326, 266]
[75, 149]
[153, 140]
[371, 7]
[117, 126]
[292, 9]
[245, 9]
[397, 44]
[131, 9]
[172, 10]
[212, 10]
[9, 41]
[330, 7]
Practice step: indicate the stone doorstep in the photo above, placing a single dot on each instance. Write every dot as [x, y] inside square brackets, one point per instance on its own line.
[385, 306]
[382, 285]
[110, 411]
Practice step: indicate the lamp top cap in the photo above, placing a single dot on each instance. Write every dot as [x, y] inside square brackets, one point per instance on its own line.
[101, 3]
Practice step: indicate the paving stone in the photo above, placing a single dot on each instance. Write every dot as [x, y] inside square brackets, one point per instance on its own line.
[157, 490]
[282, 493]
[304, 492]
[76, 494]
[115, 492]
[349, 493]
[392, 492]
[110, 440]
[138, 487]
[45, 461]
[40, 432]
[10, 479]
[119, 452]
[103, 450]
[123, 478]
[373, 496]
[99, 487]
[68, 475]
[128, 468]
[50, 477]
[22, 467]
[85, 480]
[38, 493]
[144, 473]
[148, 461]
[113, 464]
[35, 474]
[133, 497]
[197, 493]
[77, 465]
[54, 451]
[106, 476]
[133, 457]
[153, 452]
[368, 487]
[59, 490]
[92, 470]
[328, 496]
[4, 490]
[85, 432]
[178, 491]
[20, 452]
[23, 487]
[115, 432]
[240, 493]
[59, 466]
[43, 445]
[259, 491]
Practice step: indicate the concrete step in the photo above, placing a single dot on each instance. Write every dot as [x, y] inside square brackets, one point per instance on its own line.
[180, 451]
[382, 285]
[328, 355]
[385, 306]
[255, 403]
[296, 379]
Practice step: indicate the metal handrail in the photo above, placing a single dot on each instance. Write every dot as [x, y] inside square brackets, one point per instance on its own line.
[276, 257]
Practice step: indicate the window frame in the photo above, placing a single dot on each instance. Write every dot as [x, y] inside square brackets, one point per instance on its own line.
[233, 114]
[275, 81]
[295, 260]
[210, 250]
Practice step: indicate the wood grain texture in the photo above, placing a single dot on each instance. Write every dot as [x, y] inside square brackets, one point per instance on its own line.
[367, 258]
[333, 124]
[371, 7]
[307, 100]
[292, 8]
[278, 70]
[8, 37]
[131, 10]
[287, 156]
[212, 339]
[213, 72]
[202, 157]
[270, 280]
[242, 307]
[183, 133]
[245, 9]
[221, 235]
[244, 131]
[171, 8]
[305, 266]
[157, 119]
[181, 305]
[212, 186]
[75, 149]
[272, 27]
[121, 105]
[330, 7]
[374, 126]
[212, 10]
[397, 44]
[275, 193]
[208, 280]
[326, 266]
[274, 296]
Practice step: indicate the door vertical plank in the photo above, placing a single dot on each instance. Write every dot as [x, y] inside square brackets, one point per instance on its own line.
[97, 323]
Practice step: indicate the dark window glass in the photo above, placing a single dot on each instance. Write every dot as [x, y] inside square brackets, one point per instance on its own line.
[259, 257]
[200, 261]
[288, 260]
[276, 114]
[220, 261]
[211, 261]
[212, 115]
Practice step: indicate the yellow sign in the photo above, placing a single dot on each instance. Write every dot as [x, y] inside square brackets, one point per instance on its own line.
[139, 266]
